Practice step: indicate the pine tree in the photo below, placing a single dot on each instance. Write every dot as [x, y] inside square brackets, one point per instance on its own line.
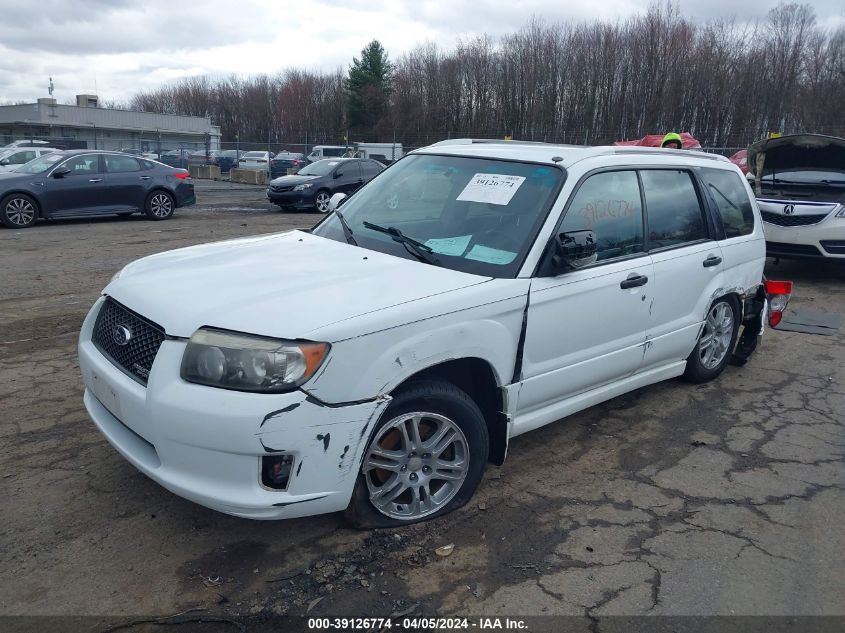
[368, 88]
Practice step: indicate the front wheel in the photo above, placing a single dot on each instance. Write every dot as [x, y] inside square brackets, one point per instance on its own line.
[160, 205]
[716, 343]
[425, 458]
[321, 201]
[18, 211]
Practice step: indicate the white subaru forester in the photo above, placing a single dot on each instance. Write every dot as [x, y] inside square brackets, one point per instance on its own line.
[471, 292]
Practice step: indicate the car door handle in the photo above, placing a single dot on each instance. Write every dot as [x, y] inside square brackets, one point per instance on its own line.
[633, 281]
[145, 177]
[95, 180]
[712, 260]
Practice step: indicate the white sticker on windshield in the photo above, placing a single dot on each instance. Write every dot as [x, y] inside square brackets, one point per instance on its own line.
[490, 255]
[449, 245]
[491, 188]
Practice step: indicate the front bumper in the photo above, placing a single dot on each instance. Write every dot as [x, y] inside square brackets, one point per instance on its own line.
[297, 199]
[823, 240]
[787, 235]
[206, 444]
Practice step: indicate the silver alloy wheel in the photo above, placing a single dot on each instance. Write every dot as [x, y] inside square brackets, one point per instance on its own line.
[161, 205]
[322, 202]
[20, 211]
[416, 465]
[716, 336]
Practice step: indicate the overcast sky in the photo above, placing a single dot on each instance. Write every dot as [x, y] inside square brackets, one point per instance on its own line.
[123, 46]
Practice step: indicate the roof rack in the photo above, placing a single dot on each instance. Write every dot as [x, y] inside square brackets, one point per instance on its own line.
[634, 149]
[496, 141]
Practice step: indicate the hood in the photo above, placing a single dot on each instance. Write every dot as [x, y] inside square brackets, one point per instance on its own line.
[292, 180]
[283, 285]
[799, 151]
[7, 175]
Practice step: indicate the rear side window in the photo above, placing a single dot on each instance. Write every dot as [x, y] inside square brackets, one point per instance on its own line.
[120, 164]
[673, 208]
[609, 204]
[349, 169]
[370, 168]
[727, 189]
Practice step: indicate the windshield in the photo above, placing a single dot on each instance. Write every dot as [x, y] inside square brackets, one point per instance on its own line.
[40, 165]
[255, 155]
[320, 168]
[476, 215]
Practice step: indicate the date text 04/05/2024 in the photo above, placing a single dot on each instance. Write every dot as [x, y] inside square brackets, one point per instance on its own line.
[416, 624]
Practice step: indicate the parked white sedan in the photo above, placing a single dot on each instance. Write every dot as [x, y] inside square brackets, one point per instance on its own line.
[256, 160]
[11, 159]
[377, 362]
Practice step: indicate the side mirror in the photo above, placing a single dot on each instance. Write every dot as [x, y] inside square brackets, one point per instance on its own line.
[572, 250]
[337, 174]
[335, 201]
[61, 172]
[4, 162]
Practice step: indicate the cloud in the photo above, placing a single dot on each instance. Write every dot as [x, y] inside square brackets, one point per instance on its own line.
[124, 46]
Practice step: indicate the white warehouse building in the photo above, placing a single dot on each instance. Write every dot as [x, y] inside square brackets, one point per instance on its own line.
[86, 125]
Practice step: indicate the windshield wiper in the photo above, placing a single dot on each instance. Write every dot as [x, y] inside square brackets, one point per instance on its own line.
[417, 249]
[347, 232]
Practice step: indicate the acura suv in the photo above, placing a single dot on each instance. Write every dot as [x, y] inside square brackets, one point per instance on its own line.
[799, 181]
[377, 362]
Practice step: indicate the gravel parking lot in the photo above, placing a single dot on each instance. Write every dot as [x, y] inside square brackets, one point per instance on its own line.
[721, 499]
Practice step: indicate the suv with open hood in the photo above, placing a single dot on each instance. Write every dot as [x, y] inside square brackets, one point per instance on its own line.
[799, 182]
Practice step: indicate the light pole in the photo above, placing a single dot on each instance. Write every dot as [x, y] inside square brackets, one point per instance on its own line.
[94, 125]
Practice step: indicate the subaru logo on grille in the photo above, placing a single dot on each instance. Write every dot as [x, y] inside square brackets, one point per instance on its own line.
[789, 209]
[121, 335]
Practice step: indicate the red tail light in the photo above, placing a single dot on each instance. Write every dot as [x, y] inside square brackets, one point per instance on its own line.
[182, 175]
[777, 294]
[777, 287]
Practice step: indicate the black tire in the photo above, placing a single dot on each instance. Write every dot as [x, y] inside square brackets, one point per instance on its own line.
[698, 370]
[18, 211]
[160, 205]
[431, 397]
[319, 198]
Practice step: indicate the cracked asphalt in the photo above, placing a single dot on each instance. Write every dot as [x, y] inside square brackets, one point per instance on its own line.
[719, 499]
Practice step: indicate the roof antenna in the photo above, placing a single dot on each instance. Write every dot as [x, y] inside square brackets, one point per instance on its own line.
[50, 87]
[557, 159]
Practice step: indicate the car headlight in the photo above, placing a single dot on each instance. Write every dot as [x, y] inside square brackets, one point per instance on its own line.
[303, 186]
[244, 362]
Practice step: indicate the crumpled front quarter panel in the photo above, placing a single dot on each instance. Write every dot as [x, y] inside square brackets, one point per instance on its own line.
[482, 321]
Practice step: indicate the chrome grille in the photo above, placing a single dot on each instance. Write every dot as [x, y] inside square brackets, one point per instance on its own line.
[127, 339]
[792, 220]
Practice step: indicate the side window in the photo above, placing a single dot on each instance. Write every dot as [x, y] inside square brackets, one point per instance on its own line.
[731, 198]
[609, 205]
[121, 164]
[21, 158]
[82, 165]
[673, 209]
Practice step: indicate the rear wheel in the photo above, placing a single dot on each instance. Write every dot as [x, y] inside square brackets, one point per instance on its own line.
[160, 205]
[18, 211]
[716, 343]
[424, 460]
